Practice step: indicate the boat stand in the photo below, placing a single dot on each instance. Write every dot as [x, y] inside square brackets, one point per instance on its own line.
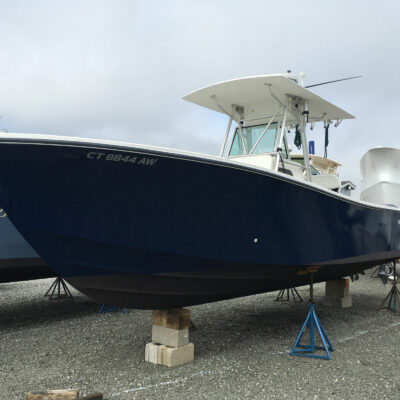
[58, 290]
[295, 295]
[383, 271]
[393, 297]
[314, 324]
[105, 308]
[375, 272]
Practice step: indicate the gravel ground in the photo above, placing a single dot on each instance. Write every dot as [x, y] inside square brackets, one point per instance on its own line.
[241, 348]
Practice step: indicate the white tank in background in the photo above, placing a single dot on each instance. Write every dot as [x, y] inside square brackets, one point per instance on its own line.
[380, 172]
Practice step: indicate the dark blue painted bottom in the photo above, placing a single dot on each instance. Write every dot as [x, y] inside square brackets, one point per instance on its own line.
[152, 291]
[147, 229]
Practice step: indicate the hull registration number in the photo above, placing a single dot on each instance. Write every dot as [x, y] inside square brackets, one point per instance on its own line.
[132, 159]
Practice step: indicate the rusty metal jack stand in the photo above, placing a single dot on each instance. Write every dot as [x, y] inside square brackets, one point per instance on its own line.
[312, 320]
[393, 297]
[55, 290]
[295, 294]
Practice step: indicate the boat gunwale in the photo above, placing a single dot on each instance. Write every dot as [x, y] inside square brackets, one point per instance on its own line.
[101, 144]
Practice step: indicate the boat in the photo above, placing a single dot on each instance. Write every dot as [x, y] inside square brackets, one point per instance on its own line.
[154, 228]
[380, 176]
[18, 261]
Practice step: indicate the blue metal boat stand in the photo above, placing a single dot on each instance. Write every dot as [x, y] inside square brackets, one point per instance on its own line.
[295, 295]
[58, 290]
[312, 320]
[104, 308]
[393, 297]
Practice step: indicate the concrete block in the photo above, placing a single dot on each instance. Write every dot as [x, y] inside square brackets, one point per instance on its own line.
[170, 337]
[172, 357]
[338, 302]
[337, 291]
[169, 356]
[152, 353]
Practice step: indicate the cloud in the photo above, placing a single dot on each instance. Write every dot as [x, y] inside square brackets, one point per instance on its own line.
[119, 69]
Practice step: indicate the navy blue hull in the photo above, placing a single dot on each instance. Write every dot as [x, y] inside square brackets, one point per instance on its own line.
[149, 229]
[18, 261]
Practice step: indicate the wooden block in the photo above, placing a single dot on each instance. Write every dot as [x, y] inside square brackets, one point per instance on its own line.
[63, 394]
[339, 282]
[93, 396]
[174, 318]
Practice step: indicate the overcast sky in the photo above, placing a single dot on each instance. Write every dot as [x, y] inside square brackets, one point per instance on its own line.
[119, 69]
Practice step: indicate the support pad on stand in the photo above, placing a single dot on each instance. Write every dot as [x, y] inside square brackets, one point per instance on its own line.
[312, 320]
[393, 297]
[58, 290]
[295, 295]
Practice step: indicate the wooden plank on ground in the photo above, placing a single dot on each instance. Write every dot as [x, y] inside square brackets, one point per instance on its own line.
[62, 394]
[93, 396]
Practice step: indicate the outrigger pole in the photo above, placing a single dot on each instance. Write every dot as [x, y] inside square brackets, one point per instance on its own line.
[336, 80]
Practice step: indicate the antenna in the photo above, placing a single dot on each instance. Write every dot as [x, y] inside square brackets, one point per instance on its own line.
[337, 80]
[302, 75]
